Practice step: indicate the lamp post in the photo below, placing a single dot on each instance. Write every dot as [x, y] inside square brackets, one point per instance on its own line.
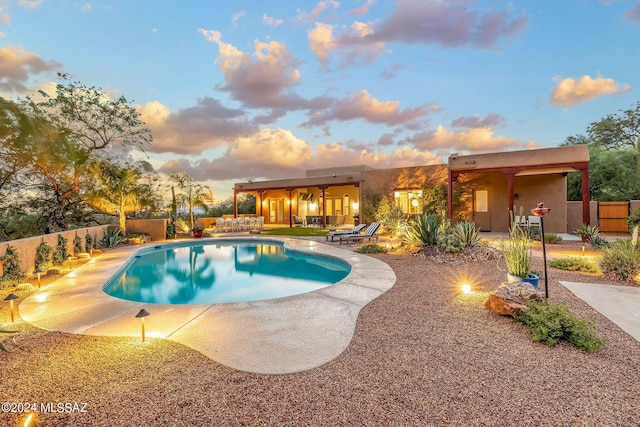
[10, 298]
[541, 211]
[142, 314]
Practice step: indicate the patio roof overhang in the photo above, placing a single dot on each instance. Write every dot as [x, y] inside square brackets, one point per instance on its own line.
[558, 160]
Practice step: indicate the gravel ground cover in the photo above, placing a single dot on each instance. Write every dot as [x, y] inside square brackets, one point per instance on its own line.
[422, 354]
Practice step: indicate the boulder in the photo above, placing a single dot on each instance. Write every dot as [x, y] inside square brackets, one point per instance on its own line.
[511, 297]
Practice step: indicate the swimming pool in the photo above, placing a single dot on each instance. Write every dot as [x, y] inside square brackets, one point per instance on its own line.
[217, 271]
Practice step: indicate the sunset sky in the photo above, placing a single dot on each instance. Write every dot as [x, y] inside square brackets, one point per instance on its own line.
[244, 90]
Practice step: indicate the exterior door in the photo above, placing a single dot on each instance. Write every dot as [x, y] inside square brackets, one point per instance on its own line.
[481, 211]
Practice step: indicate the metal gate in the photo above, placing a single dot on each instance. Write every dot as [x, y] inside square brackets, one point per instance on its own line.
[612, 217]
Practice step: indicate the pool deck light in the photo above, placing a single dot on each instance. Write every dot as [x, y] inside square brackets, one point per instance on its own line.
[466, 288]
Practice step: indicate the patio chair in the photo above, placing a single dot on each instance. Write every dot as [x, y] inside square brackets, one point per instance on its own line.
[355, 230]
[534, 221]
[369, 234]
[297, 221]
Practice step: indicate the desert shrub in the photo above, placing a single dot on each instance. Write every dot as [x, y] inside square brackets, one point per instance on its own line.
[551, 323]
[587, 231]
[12, 272]
[598, 242]
[574, 264]
[552, 238]
[391, 217]
[449, 241]
[60, 254]
[468, 234]
[423, 230]
[371, 248]
[77, 245]
[43, 257]
[88, 243]
[620, 260]
[112, 238]
[516, 252]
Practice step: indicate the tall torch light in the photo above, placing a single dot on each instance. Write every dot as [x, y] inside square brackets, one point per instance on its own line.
[541, 211]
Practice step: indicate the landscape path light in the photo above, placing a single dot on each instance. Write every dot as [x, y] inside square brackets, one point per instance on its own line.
[142, 314]
[38, 271]
[541, 211]
[10, 298]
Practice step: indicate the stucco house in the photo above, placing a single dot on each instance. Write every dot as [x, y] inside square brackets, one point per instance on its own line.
[482, 188]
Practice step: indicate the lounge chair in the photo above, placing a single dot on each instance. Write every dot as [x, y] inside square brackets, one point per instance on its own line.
[355, 230]
[369, 234]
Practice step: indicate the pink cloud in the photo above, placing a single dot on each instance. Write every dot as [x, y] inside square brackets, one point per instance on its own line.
[17, 65]
[195, 129]
[306, 17]
[446, 23]
[364, 106]
[492, 120]
[364, 9]
[633, 14]
[570, 92]
[474, 140]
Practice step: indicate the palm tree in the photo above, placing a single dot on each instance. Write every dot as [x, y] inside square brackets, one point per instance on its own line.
[193, 194]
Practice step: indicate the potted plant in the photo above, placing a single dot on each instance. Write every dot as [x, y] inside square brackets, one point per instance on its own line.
[197, 231]
[517, 256]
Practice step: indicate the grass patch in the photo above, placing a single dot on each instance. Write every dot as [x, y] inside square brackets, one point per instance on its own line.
[574, 264]
[295, 231]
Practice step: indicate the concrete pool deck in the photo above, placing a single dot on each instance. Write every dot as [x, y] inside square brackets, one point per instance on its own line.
[278, 336]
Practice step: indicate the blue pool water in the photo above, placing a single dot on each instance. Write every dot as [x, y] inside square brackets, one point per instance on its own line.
[221, 272]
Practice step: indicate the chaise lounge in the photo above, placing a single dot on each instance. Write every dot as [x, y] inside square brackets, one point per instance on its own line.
[369, 234]
[355, 230]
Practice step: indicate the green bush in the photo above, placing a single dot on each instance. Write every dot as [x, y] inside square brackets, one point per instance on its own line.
[574, 264]
[12, 272]
[43, 257]
[391, 217]
[552, 238]
[371, 248]
[60, 254]
[468, 234]
[551, 323]
[620, 260]
[423, 230]
[77, 245]
[598, 242]
[88, 243]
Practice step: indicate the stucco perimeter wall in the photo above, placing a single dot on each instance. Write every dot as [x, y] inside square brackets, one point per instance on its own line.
[574, 215]
[156, 228]
[27, 247]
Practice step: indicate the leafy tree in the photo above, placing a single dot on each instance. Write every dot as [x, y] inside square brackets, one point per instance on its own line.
[119, 190]
[50, 142]
[192, 193]
[619, 131]
[612, 173]
[246, 204]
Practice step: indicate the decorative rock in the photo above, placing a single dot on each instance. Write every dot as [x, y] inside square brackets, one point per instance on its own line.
[511, 298]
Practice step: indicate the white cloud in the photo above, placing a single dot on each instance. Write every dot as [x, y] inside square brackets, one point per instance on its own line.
[236, 16]
[17, 65]
[307, 17]
[31, 4]
[271, 21]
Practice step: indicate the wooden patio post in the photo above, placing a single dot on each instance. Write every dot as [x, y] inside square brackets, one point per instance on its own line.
[586, 197]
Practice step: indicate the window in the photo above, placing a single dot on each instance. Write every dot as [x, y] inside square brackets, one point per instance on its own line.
[481, 201]
[408, 200]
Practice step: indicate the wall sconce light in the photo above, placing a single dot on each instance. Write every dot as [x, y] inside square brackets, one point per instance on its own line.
[515, 196]
[396, 194]
[142, 314]
[355, 205]
[419, 193]
[312, 206]
[264, 203]
[10, 298]
[410, 194]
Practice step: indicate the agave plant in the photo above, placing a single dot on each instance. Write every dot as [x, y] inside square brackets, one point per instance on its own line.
[423, 230]
[468, 234]
[112, 238]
